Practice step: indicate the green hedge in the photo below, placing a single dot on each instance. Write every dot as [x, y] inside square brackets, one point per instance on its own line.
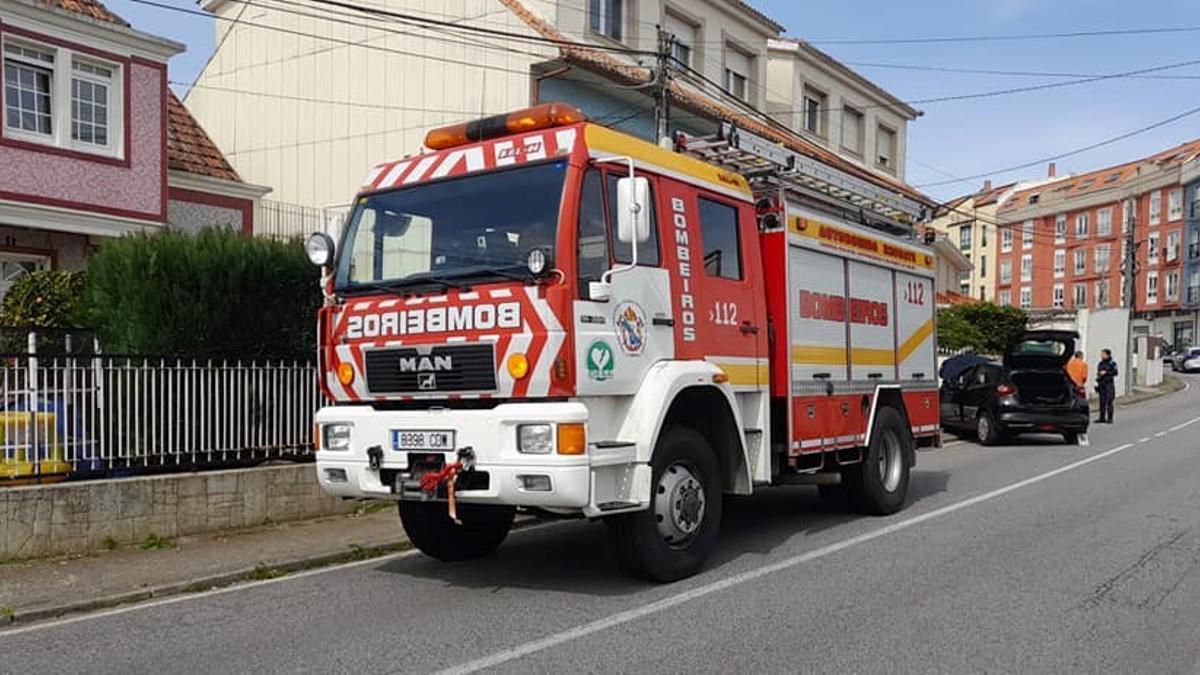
[216, 293]
[47, 299]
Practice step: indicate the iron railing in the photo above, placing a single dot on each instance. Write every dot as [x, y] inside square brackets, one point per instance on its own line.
[281, 220]
[94, 414]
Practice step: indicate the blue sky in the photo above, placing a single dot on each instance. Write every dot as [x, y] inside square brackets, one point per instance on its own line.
[959, 138]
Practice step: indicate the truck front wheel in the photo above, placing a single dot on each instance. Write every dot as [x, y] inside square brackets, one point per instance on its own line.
[430, 529]
[673, 538]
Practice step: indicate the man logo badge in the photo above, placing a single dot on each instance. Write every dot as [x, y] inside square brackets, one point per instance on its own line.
[426, 381]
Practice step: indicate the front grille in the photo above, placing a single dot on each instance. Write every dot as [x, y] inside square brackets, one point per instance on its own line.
[441, 368]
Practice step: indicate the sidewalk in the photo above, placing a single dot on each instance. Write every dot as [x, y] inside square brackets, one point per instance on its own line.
[43, 588]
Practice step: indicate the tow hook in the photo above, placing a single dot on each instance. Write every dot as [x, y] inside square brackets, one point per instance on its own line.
[375, 457]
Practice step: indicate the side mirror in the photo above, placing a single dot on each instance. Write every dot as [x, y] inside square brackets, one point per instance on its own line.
[633, 209]
[319, 248]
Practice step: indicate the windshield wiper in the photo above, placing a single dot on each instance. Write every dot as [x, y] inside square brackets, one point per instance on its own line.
[403, 287]
[505, 272]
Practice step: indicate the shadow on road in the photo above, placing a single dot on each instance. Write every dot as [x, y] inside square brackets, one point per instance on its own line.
[572, 556]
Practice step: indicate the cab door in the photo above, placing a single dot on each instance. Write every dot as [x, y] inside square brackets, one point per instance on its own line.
[717, 287]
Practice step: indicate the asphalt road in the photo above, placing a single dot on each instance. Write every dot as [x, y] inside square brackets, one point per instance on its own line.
[1033, 557]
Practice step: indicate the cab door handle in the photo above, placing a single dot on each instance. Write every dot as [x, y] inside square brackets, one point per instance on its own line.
[747, 327]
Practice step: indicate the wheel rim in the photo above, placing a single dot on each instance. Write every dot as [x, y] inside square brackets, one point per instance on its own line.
[679, 504]
[985, 428]
[891, 461]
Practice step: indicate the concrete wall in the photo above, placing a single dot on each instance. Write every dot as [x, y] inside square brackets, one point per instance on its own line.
[1099, 329]
[78, 517]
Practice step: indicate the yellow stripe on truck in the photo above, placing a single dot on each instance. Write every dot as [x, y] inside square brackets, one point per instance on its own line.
[606, 140]
[815, 355]
[910, 345]
[746, 374]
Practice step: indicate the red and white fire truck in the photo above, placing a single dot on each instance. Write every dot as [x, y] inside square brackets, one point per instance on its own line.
[543, 313]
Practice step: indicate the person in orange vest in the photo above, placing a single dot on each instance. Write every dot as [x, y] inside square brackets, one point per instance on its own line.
[1077, 370]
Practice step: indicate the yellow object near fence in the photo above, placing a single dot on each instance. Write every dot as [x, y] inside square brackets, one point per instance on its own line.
[29, 446]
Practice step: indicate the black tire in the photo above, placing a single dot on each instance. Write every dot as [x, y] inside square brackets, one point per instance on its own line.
[684, 468]
[881, 487]
[986, 430]
[1071, 437]
[430, 529]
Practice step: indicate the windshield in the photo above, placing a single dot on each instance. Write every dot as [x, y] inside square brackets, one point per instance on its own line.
[453, 228]
[1039, 348]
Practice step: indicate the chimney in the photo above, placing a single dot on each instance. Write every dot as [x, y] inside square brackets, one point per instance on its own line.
[987, 186]
[1051, 171]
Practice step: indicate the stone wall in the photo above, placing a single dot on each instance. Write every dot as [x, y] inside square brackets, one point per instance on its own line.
[85, 516]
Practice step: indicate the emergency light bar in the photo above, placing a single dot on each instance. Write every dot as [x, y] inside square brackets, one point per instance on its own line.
[541, 116]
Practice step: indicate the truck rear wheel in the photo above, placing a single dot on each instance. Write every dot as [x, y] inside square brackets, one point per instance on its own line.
[673, 538]
[430, 529]
[880, 485]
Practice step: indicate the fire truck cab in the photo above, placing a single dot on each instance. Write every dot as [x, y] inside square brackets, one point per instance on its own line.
[543, 313]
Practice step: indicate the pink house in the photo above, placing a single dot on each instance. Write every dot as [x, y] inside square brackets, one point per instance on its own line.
[93, 144]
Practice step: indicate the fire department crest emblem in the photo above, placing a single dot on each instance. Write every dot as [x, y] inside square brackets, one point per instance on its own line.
[630, 322]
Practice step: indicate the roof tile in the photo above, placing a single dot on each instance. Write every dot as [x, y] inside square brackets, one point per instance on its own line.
[189, 148]
[92, 8]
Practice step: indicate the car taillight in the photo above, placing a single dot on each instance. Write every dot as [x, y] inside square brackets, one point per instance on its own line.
[1006, 390]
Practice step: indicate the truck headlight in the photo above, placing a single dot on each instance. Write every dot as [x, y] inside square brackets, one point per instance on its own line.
[535, 439]
[337, 437]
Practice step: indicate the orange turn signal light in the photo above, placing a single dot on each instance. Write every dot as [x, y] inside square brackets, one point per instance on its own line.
[518, 366]
[345, 373]
[541, 116]
[572, 439]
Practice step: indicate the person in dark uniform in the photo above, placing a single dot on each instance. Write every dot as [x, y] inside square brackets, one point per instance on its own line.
[1106, 372]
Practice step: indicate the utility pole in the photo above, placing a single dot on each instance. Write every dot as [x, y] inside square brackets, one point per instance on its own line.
[662, 82]
[1129, 272]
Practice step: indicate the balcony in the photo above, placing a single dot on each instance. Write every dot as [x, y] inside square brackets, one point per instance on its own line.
[281, 220]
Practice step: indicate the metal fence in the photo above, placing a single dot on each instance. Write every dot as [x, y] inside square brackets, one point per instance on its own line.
[281, 220]
[69, 415]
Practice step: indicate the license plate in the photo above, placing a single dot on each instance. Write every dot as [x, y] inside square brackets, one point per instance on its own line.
[422, 440]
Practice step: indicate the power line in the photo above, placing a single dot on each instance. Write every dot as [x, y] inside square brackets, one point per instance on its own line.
[1003, 38]
[213, 54]
[1017, 73]
[1071, 153]
[307, 99]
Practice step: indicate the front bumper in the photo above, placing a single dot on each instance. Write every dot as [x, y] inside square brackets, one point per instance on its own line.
[492, 435]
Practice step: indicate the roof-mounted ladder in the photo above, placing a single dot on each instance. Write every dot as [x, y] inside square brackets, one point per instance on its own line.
[762, 161]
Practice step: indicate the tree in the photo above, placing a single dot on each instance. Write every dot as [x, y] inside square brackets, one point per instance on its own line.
[45, 299]
[982, 327]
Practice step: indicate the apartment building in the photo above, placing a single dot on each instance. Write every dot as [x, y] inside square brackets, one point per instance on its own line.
[1062, 243]
[1190, 177]
[969, 223]
[828, 103]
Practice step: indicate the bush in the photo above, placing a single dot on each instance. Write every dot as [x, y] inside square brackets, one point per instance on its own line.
[217, 293]
[983, 327]
[47, 299]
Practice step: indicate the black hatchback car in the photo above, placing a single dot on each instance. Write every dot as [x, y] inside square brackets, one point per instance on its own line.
[1028, 392]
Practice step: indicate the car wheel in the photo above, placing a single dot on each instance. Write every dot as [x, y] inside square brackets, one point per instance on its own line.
[673, 538]
[1071, 438]
[986, 430]
[430, 529]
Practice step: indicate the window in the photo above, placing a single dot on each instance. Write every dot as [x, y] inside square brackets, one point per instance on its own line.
[1060, 263]
[1172, 286]
[606, 17]
[1027, 267]
[1196, 202]
[1102, 294]
[1104, 222]
[1152, 288]
[1005, 271]
[719, 239]
[1175, 204]
[685, 38]
[1152, 249]
[852, 131]
[1059, 295]
[814, 111]
[623, 253]
[1005, 298]
[983, 267]
[964, 287]
[55, 97]
[1081, 225]
[28, 89]
[737, 73]
[1060, 228]
[592, 246]
[1027, 234]
[983, 237]
[885, 148]
[1026, 297]
[13, 266]
[1101, 258]
[983, 293]
[1172, 252]
[1080, 261]
[964, 238]
[1006, 240]
[1155, 207]
[1080, 295]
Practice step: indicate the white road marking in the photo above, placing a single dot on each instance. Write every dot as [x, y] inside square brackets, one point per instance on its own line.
[1160, 434]
[1188, 423]
[636, 613]
[1144, 439]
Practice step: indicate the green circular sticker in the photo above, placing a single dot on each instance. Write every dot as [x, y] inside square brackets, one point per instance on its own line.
[600, 359]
